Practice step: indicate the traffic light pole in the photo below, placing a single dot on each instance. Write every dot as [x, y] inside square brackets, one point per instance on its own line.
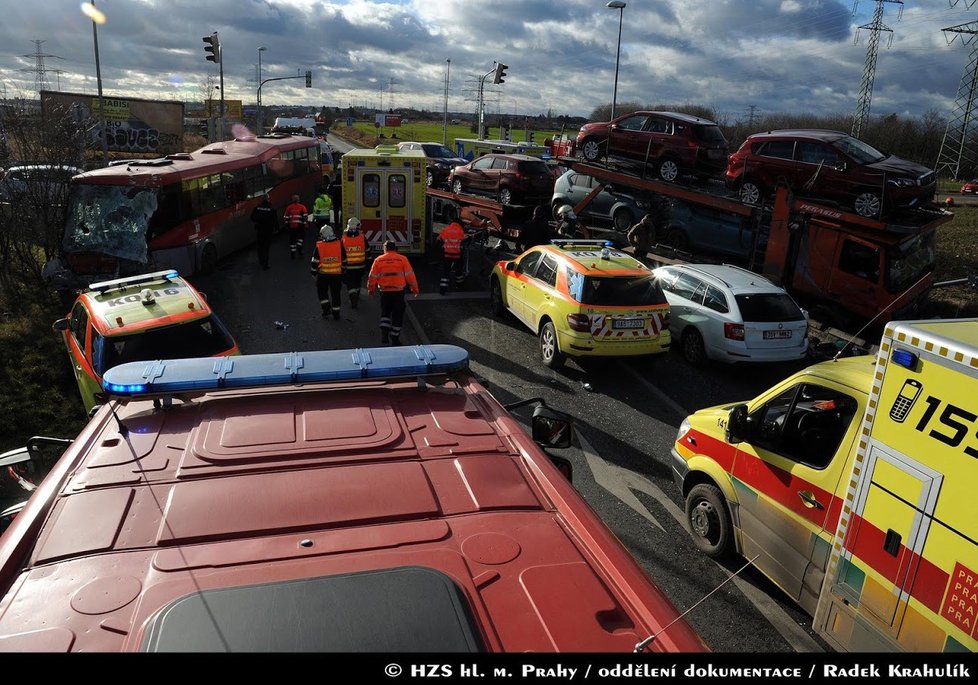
[307, 77]
[482, 85]
[221, 63]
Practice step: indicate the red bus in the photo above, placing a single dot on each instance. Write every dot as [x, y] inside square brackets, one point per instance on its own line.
[183, 211]
[367, 500]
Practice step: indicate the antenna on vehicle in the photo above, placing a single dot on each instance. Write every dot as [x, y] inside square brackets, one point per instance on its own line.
[640, 647]
[103, 398]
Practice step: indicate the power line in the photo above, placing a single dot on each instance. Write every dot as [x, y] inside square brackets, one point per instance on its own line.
[40, 72]
[875, 27]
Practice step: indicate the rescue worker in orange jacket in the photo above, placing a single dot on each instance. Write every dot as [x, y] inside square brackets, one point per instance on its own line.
[355, 249]
[392, 275]
[296, 216]
[327, 266]
[452, 239]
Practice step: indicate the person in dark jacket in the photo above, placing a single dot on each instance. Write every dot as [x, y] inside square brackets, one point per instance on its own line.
[536, 231]
[266, 225]
[336, 195]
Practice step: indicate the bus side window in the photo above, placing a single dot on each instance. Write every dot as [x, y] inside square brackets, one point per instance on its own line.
[191, 195]
[169, 211]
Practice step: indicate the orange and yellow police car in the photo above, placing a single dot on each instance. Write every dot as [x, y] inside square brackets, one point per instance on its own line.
[365, 500]
[583, 298]
[151, 316]
[851, 485]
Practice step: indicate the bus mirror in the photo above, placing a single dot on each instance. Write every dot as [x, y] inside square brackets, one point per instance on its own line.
[552, 428]
[737, 424]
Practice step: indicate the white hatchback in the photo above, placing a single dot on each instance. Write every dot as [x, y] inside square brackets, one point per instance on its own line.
[730, 314]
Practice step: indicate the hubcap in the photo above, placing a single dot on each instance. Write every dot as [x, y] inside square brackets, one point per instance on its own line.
[749, 193]
[548, 344]
[669, 171]
[701, 519]
[867, 205]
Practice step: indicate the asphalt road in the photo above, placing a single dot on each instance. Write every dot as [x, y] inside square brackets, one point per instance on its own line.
[627, 412]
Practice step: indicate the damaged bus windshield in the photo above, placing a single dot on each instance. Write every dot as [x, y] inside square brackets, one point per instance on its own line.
[183, 211]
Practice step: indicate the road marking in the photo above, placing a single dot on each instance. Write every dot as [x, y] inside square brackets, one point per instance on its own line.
[668, 401]
[620, 482]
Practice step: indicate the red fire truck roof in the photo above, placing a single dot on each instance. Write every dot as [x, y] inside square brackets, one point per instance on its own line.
[403, 511]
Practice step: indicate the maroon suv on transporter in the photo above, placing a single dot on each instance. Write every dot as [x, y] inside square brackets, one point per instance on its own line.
[671, 143]
[511, 179]
[831, 165]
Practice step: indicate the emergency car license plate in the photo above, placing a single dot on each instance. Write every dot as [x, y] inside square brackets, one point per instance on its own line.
[776, 335]
[628, 323]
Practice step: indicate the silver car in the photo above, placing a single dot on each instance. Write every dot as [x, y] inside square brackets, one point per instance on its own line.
[730, 314]
[623, 211]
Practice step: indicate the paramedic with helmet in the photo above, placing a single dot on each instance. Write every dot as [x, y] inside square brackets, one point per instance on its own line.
[327, 267]
[355, 263]
[392, 275]
[569, 226]
[452, 239]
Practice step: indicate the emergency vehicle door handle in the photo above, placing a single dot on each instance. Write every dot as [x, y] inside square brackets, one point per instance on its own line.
[809, 499]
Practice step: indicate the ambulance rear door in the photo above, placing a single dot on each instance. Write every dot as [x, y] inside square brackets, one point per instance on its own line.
[386, 203]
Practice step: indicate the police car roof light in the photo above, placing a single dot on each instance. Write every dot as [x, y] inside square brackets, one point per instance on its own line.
[205, 374]
[103, 286]
[564, 243]
[904, 358]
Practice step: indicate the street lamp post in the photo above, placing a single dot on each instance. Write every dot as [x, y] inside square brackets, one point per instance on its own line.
[258, 96]
[620, 6]
[98, 77]
[444, 128]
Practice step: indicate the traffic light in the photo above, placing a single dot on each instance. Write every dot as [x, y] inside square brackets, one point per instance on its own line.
[308, 79]
[500, 72]
[213, 48]
[531, 136]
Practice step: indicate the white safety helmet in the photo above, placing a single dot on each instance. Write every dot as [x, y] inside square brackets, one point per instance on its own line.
[566, 212]
[326, 233]
[353, 225]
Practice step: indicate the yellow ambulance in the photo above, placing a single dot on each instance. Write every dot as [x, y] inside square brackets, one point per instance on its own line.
[849, 485]
[385, 189]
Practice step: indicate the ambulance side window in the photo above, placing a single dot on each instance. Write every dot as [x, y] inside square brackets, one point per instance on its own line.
[805, 423]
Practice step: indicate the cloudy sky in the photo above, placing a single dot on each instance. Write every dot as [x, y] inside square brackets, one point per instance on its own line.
[773, 55]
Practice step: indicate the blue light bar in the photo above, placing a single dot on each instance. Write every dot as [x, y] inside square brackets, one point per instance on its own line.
[904, 358]
[204, 374]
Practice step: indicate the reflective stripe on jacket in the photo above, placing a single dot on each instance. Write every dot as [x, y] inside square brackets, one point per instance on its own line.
[295, 215]
[330, 257]
[451, 237]
[392, 272]
[356, 249]
[322, 206]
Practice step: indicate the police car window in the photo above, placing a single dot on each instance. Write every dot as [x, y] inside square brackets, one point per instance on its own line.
[805, 424]
[98, 352]
[547, 271]
[79, 324]
[528, 264]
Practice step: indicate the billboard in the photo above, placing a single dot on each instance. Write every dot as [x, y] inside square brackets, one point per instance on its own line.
[233, 109]
[131, 125]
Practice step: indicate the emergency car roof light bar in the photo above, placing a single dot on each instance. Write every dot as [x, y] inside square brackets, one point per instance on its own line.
[205, 374]
[573, 242]
[118, 283]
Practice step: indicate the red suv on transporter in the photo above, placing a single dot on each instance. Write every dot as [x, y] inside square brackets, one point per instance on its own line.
[669, 142]
[511, 179]
[831, 165]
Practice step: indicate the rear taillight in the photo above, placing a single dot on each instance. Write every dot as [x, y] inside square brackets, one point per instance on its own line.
[733, 331]
[579, 322]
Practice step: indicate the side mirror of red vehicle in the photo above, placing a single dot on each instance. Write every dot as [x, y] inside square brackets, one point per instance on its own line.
[60, 325]
[510, 266]
[552, 428]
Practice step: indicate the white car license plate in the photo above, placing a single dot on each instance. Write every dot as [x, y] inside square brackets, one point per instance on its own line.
[776, 335]
[628, 323]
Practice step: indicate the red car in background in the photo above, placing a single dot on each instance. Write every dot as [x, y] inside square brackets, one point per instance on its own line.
[970, 188]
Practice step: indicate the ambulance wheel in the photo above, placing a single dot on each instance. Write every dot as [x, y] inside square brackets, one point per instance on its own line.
[709, 521]
[549, 349]
[496, 305]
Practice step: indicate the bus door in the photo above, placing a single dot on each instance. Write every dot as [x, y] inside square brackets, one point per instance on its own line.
[387, 212]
